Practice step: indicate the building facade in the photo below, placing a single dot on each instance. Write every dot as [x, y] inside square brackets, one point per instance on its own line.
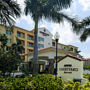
[87, 62]
[47, 56]
[26, 38]
[44, 38]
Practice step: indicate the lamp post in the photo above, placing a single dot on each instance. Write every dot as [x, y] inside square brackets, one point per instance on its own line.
[56, 38]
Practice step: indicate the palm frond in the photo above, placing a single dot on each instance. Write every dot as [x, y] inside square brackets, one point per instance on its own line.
[9, 11]
[86, 22]
[85, 34]
[60, 4]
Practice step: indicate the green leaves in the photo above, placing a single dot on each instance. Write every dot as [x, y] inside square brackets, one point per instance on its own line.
[40, 82]
[9, 60]
[9, 11]
[83, 29]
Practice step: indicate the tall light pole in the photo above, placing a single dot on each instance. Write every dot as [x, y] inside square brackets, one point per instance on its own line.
[56, 38]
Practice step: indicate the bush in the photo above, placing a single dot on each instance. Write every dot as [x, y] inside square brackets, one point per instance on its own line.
[68, 87]
[87, 76]
[40, 82]
[45, 82]
[76, 86]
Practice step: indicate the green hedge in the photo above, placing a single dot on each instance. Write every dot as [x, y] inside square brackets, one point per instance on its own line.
[40, 82]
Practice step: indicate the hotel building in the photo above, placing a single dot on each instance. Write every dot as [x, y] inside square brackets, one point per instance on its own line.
[27, 39]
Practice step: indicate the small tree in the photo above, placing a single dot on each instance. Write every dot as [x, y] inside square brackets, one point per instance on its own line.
[9, 60]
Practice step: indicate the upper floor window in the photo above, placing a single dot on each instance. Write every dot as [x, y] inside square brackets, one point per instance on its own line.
[9, 40]
[30, 44]
[18, 34]
[30, 38]
[30, 50]
[61, 47]
[40, 39]
[8, 32]
[53, 44]
[40, 45]
[64, 48]
[71, 49]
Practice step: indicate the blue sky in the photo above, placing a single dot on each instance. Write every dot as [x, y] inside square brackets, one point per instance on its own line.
[79, 8]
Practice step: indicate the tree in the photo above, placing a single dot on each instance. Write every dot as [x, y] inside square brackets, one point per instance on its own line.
[17, 47]
[48, 9]
[9, 60]
[3, 40]
[9, 11]
[84, 29]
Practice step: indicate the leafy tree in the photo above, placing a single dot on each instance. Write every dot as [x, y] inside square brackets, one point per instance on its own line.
[17, 47]
[9, 11]
[9, 60]
[3, 41]
[50, 10]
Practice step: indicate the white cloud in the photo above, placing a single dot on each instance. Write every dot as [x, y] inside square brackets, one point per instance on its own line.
[21, 2]
[74, 5]
[85, 4]
[85, 54]
[27, 18]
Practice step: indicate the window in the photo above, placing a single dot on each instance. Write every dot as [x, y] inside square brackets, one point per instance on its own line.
[53, 44]
[30, 38]
[40, 39]
[40, 45]
[64, 48]
[30, 44]
[71, 49]
[8, 32]
[9, 40]
[61, 47]
[30, 50]
[18, 34]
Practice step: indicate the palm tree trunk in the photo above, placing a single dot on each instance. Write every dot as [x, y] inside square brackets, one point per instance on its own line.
[35, 55]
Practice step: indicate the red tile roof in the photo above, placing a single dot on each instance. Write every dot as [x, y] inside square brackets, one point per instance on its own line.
[79, 59]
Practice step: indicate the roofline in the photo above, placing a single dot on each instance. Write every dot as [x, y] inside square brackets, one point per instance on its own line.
[51, 48]
[23, 29]
[68, 55]
[87, 59]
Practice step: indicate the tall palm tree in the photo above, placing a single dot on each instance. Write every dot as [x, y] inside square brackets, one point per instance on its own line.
[48, 9]
[9, 11]
[84, 29]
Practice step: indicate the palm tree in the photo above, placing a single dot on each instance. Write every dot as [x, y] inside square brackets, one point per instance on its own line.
[48, 9]
[9, 11]
[84, 29]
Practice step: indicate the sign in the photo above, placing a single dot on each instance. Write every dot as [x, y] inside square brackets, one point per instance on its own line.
[68, 69]
[44, 34]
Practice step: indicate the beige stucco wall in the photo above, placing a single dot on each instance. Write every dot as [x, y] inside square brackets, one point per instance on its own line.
[50, 54]
[75, 64]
